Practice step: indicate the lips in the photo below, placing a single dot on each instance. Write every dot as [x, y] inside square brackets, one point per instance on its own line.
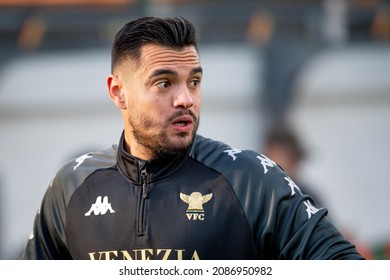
[182, 123]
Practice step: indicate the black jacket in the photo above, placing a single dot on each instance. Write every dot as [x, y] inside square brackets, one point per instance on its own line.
[213, 202]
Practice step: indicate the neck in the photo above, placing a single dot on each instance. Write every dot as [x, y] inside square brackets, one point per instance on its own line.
[136, 150]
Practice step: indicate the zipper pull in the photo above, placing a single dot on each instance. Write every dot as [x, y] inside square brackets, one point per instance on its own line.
[144, 186]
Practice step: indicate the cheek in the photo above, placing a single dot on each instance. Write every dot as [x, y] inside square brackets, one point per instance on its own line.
[198, 99]
[156, 110]
[197, 104]
[196, 109]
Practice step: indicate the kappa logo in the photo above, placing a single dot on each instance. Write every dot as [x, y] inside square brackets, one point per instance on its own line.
[80, 160]
[266, 162]
[232, 152]
[195, 203]
[310, 209]
[292, 185]
[100, 207]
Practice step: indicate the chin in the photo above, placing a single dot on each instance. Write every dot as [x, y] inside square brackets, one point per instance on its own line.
[184, 140]
[175, 146]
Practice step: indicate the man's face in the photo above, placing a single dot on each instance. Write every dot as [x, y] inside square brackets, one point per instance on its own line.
[162, 100]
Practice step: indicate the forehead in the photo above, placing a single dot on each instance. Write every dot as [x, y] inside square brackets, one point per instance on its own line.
[156, 56]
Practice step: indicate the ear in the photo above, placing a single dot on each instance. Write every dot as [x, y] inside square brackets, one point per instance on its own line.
[115, 91]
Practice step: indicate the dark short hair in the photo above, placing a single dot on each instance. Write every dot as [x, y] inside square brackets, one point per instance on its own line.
[284, 136]
[175, 33]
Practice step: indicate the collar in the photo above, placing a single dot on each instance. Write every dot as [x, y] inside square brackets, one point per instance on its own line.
[131, 167]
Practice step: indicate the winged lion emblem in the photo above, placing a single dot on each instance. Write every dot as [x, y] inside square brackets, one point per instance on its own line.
[195, 201]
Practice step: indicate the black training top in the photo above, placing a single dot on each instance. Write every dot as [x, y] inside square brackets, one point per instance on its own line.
[212, 202]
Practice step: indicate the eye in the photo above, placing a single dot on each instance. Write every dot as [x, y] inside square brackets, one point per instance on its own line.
[163, 84]
[194, 82]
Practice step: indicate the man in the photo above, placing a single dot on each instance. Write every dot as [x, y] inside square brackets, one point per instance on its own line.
[284, 147]
[165, 192]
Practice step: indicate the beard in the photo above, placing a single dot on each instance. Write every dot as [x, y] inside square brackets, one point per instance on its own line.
[153, 135]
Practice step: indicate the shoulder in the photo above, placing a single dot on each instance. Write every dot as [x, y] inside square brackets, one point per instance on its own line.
[88, 163]
[94, 160]
[72, 174]
[245, 170]
[230, 160]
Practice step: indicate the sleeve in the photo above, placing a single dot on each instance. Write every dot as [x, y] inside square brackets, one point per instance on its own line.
[302, 228]
[287, 223]
[48, 239]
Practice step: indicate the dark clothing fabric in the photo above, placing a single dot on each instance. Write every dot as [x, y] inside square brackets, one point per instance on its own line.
[212, 202]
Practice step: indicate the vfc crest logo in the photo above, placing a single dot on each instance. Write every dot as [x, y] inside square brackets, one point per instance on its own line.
[195, 203]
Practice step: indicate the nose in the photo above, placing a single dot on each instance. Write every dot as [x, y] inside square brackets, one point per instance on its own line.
[183, 98]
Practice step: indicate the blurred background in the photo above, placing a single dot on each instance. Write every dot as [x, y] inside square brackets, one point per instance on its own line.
[308, 76]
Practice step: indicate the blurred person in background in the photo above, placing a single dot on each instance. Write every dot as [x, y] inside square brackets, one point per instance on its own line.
[166, 192]
[283, 51]
[283, 146]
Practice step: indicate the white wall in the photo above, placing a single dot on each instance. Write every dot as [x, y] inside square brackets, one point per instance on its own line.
[343, 114]
[52, 107]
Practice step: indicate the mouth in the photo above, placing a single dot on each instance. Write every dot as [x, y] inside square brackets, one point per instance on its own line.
[183, 124]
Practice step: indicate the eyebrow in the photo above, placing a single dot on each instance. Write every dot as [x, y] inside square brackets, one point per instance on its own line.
[159, 72]
[197, 70]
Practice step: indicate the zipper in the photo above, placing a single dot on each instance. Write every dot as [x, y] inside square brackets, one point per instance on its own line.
[141, 203]
[144, 176]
